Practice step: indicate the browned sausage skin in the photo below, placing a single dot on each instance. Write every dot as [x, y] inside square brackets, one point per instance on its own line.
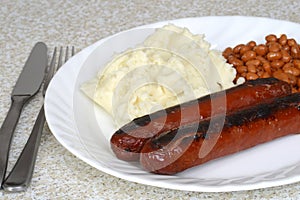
[181, 149]
[128, 141]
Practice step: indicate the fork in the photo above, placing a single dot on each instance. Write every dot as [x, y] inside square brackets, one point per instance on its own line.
[20, 176]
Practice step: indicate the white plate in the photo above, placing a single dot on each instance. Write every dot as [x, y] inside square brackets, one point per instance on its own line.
[84, 129]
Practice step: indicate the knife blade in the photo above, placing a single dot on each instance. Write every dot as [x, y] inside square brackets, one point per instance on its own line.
[27, 85]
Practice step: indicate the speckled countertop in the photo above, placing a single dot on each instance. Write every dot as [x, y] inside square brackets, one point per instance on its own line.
[58, 173]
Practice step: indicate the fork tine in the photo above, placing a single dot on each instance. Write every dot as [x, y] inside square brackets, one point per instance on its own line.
[52, 63]
[50, 71]
[60, 58]
[73, 50]
[67, 54]
[59, 64]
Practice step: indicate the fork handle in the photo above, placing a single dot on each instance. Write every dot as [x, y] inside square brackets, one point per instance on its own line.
[7, 130]
[21, 174]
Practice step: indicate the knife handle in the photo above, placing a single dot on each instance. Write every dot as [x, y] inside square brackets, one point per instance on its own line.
[21, 174]
[7, 130]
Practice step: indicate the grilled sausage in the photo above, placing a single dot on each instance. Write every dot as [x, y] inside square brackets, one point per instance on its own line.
[186, 147]
[128, 141]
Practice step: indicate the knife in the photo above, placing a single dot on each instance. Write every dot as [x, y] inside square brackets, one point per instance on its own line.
[27, 85]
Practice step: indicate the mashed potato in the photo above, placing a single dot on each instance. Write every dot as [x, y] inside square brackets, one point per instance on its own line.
[170, 67]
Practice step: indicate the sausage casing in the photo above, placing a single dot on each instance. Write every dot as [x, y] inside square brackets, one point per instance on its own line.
[186, 147]
[128, 141]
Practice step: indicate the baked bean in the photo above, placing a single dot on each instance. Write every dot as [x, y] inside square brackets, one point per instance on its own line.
[235, 61]
[248, 55]
[296, 63]
[295, 51]
[298, 83]
[261, 50]
[287, 65]
[251, 76]
[251, 68]
[237, 48]
[253, 62]
[274, 47]
[262, 59]
[286, 48]
[267, 67]
[271, 56]
[292, 79]
[271, 38]
[281, 76]
[277, 64]
[285, 56]
[260, 73]
[283, 39]
[227, 52]
[251, 44]
[291, 42]
[265, 75]
[291, 70]
[241, 69]
[244, 49]
[259, 69]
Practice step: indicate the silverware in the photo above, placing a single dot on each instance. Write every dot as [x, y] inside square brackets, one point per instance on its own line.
[20, 177]
[28, 84]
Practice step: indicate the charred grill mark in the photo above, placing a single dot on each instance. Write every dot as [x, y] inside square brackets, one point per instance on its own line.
[127, 149]
[203, 129]
[137, 122]
[163, 140]
[260, 81]
[142, 121]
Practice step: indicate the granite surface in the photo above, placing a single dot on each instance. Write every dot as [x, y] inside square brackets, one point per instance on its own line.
[58, 173]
